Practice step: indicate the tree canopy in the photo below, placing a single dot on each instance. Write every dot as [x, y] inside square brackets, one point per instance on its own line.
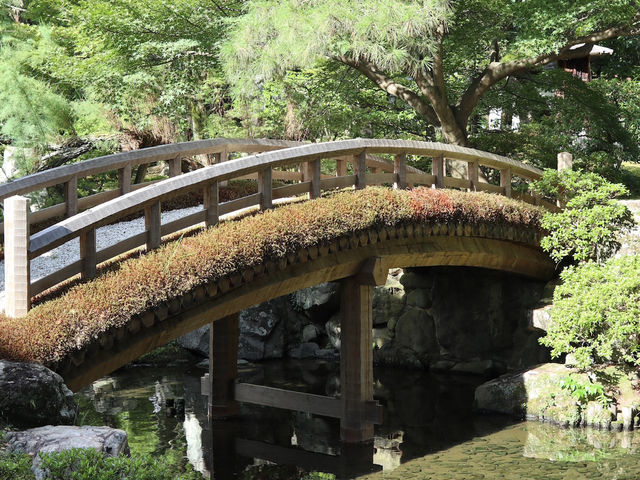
[439, 57]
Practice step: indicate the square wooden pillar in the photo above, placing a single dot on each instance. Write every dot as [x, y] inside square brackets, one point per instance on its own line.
[356, 360]
[223, 367]
[16, 256]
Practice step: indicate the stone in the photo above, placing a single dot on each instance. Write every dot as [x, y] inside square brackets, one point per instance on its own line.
[415, 331]
[332, 328]
[304, 350]
[442, 365]
[387, 304]
[419, 297]
[324, 295]
[33, 395]
[417, 278]
[534, 394]
[397, 356]
[540, 318]
[627, 417]
[196, 341]
[108, 441]
[479, 367]
[380, 336]
[262, 334]
[309, 333]
[598, 416]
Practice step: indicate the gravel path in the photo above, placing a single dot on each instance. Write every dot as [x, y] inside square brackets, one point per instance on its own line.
[69, 252]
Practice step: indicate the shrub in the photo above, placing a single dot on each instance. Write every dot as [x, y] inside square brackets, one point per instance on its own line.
[588, 227]
[89, 464]
[596, 313]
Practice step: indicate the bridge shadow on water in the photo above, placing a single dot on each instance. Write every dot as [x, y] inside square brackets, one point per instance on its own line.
[424, 414]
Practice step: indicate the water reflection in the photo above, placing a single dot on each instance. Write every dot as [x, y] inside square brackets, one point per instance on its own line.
[429, 427]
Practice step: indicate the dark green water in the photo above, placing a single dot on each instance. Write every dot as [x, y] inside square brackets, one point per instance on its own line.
[430, 431]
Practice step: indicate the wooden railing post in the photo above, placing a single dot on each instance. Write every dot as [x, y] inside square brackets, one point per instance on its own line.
[341, 167]
[175, 167]
[16, 258]
[472, 174]
[211, 204]
[71, 196]
[437, 170]
[265, 188]
[565, 161]
[400, 170]
[88, 254]
[152, 222]
[316, 187]
[360, 167]
[124, 179]
[505, 181]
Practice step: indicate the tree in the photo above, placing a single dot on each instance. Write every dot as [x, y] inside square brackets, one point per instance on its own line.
[596, 313]
[439, 57]
[588, 227]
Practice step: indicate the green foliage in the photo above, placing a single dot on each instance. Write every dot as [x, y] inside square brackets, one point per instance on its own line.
[273, 37]
[15, 466]
[596, 313]
[89, 464]
[585, 392]
[53, 329]
[588, 226]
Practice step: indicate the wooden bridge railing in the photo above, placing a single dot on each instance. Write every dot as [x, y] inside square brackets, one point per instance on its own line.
[20, 248]
[217, 150]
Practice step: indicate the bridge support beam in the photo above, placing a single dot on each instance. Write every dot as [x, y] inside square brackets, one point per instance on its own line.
[356, 354]
[223, 367]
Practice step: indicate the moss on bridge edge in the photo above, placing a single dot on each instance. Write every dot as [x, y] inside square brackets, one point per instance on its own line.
[55, 329]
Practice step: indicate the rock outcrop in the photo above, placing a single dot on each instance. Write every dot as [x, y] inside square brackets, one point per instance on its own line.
[32, 395]
[539, 394]
[108, 441]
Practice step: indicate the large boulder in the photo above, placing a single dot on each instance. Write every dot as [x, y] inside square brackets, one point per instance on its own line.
[32, 395]
[325, 296]
[262, 334]
[196, 341]
[535, 394]
[108, 441]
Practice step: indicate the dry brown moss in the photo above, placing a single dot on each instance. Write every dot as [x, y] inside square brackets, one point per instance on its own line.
[54, 329]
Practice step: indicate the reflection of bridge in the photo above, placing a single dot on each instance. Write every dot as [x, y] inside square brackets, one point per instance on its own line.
[361, 260]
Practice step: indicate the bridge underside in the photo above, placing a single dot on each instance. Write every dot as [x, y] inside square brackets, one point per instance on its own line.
[404, 247]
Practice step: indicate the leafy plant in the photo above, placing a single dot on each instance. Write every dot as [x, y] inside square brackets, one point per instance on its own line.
[89, 464]
[588, 226]
[585, 392]
[596, 313]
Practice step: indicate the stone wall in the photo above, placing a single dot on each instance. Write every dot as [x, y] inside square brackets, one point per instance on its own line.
[447, 318]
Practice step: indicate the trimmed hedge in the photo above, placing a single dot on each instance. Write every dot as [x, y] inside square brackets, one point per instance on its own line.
[58, 327]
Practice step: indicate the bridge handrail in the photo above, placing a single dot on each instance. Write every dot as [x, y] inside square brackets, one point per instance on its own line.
[117, 161]
[124, 162]
[84, 225]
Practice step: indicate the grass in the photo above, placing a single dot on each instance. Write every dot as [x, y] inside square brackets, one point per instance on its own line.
[55, 329]
[630, 177]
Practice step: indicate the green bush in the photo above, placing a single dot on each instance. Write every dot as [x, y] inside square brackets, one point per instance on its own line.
[88, 464]
[596, 313]
[588, 227]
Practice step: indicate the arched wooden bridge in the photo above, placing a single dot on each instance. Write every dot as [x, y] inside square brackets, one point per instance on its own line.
[361, 260]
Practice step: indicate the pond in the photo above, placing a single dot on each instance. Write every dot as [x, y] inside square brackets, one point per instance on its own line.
[429, 432]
